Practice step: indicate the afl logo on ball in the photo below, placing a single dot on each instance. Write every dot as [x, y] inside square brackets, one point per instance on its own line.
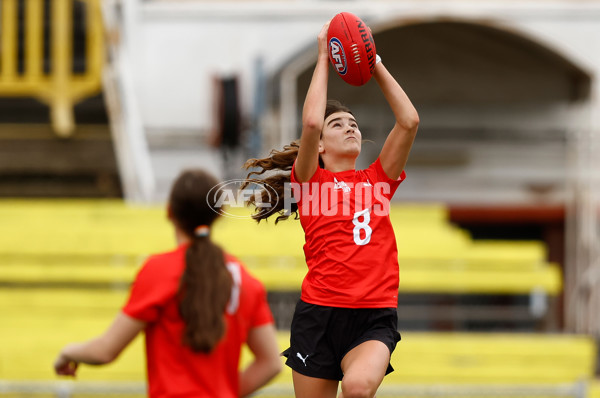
[337, 55]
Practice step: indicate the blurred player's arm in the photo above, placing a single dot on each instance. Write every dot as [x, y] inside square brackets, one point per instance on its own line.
[262, 341]
[99, 350]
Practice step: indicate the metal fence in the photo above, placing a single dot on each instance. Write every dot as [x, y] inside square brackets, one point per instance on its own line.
[37, 58]
[68, 389]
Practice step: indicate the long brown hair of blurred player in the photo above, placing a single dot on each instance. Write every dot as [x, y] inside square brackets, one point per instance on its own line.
[205, 285]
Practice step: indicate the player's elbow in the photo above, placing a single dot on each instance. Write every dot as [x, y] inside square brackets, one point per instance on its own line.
[275, 366]
[312, 125]
[104, 353]
[272, 368]
[410, 123]
[106, 358]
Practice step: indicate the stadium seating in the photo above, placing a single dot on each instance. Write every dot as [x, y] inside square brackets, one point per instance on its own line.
[66, 268]
[594, 389]
[106, 241]
[484, 363]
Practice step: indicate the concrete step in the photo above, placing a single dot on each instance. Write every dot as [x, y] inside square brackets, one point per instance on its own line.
[34, 162]
[172, 151]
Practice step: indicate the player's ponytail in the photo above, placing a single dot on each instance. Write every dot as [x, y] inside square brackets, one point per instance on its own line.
[205, 285]
[279, 161]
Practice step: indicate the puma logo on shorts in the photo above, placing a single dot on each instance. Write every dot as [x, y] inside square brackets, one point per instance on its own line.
[302, 359]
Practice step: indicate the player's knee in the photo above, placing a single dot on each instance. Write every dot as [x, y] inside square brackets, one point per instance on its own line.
[358, 388]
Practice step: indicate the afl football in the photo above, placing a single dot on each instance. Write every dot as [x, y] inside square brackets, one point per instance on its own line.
[351, 48]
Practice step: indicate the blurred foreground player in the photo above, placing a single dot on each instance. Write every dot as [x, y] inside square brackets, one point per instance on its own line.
[197, 306]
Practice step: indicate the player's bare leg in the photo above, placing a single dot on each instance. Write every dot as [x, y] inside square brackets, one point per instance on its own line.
[364, 368]
[312, 387]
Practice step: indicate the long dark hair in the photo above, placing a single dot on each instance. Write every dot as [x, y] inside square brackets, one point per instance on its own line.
[279, 161]
[205, 285]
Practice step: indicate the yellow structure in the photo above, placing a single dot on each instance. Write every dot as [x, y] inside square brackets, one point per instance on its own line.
[60, 89]
[69, 264]
[105, 241]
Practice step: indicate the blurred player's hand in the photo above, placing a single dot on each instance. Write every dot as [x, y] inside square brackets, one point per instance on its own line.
[65, 366]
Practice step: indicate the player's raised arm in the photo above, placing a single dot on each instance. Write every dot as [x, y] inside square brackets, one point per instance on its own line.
[313, 113]
[394, 153]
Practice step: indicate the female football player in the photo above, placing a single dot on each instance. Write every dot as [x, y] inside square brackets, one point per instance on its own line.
[345, 324]
[197, 306]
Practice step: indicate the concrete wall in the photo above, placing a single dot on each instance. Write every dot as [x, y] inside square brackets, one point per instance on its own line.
[491, 117]
[182, 43]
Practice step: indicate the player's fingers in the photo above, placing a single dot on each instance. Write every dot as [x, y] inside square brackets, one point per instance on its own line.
[65, 368]
[70, 369]
[73, 367]
[324, 29]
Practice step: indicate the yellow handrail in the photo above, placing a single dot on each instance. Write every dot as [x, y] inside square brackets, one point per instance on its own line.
[60, 88]
[9, 38]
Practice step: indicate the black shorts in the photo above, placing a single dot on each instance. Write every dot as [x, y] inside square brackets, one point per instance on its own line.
[322, 336]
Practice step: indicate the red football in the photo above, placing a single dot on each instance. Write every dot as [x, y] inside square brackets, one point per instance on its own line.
[351, 48]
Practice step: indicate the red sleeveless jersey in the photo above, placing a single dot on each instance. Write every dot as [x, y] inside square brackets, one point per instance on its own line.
[350, 246]
[174, 370]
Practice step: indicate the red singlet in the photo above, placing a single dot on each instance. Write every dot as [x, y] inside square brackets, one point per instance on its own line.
[350, 245]
[173, 369]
